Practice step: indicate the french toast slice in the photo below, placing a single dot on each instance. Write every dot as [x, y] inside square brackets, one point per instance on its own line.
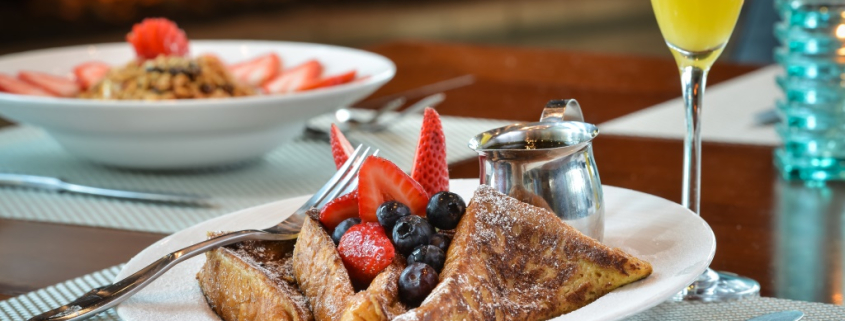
[253, 280]
[513, 261]
[323, 279]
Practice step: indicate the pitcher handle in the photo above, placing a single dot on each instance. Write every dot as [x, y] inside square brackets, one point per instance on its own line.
[555, 111]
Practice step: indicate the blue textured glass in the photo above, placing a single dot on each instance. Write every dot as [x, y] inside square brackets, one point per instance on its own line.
[811, 14]
[817, 67]
[811, 42]
[812, 34]
[812, 117]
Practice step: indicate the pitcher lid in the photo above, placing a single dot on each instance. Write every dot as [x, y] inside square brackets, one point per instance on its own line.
[552, 131]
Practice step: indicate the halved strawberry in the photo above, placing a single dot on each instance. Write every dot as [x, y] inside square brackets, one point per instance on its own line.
[339, 209]
[379, 180]
[341, 148]
[294, 79]
[430, 167]
[157, 36]
[90, 73]
[258, 70]
[365, 251]
[13, 85]
[331, 81]
[59, 86]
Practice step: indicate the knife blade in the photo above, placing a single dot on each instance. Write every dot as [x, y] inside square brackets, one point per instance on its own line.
[792, 315]
[58, 185]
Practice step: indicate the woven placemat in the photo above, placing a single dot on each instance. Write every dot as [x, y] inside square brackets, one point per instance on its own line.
[27, 305]
[296, 168]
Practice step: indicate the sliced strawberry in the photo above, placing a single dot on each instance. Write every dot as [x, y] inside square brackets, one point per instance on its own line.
[258, 70]
[339, 209]
[341, 148]
[13, 85]
[59, 86]
[157, 36]
[365, 251]
[430, 167]
[379, 180]
[331, 81]
[90, 73]
[294, 79]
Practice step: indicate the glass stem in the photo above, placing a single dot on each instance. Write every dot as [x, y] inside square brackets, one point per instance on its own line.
[693, 80]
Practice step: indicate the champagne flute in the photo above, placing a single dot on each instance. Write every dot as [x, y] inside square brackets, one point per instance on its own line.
[696, 32]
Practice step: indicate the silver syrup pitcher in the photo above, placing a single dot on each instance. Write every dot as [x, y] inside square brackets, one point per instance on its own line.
[548, 164]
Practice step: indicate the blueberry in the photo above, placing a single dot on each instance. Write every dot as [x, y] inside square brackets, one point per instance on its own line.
[416, 282]
[391, 211]
[343, 227]
[445, 210]
[428, 254]
[441, 241]
[409, 232]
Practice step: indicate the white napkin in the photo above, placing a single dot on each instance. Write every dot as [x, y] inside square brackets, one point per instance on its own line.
[728, 113]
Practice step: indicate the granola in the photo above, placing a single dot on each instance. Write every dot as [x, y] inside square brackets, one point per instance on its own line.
[169, 77]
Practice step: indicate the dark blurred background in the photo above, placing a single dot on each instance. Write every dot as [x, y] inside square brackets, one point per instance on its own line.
[609, 26]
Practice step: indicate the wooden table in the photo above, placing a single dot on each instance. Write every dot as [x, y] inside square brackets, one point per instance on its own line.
[740, 186]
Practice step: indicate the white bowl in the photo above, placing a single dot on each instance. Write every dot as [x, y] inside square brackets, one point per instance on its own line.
[186, 133]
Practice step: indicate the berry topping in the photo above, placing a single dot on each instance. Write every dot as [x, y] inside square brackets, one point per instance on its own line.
[157, 36]
[445, 210]
[416, 282]
[341, 148]
[441, 241]
[331, 81]
[428, 254]
[90, 73]
[15, 86]
[338, 210]
[295, 79]
[258, 70]
[365, 251]
[391, 211]
[343, 227]
[379, 181]
[411, 231]
[430, 167]
[59, 86]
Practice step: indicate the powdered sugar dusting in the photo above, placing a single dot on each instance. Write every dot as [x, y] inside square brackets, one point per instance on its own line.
[511, 260]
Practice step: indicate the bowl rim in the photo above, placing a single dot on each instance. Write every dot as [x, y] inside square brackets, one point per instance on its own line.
[205, 103]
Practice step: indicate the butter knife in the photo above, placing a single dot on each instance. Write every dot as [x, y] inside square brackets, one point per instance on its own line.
[58, 185]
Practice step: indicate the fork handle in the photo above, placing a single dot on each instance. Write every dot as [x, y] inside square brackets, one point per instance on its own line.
[102, 298]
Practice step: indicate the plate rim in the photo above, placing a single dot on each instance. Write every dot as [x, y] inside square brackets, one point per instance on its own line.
[654, 301]
[64, 102]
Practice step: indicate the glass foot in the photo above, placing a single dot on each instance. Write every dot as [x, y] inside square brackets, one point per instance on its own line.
[714, 286]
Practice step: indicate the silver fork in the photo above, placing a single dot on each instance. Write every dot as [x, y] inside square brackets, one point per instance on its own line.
[105, 297]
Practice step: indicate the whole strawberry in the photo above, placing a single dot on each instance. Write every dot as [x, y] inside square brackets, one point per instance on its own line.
[430, 167]
[341, 148]
[157, 36]
[365, 250]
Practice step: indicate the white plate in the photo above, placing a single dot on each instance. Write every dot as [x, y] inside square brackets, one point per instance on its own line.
[678, 244]
[186, 133]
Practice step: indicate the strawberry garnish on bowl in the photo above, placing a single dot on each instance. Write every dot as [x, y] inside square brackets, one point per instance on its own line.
[13, 85]
[341, 148]
[365, 251]
[258, 70]
[332, 81]
[157, 36]
[379, 180]
[90, 73]
[59, 86]
[295, 79]
[430, 168]
[338, 210]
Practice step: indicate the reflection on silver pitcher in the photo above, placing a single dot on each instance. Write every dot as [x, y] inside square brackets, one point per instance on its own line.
[548, 164]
